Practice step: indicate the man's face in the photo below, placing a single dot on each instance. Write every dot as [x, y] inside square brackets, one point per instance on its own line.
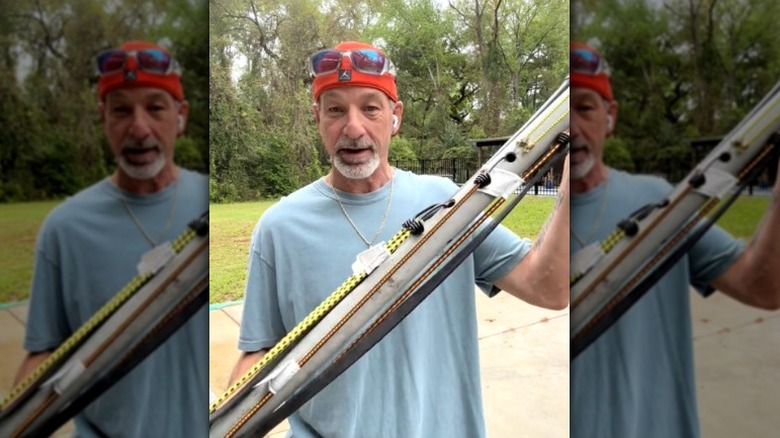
[141, 126]
[589, 130]
[356, 124]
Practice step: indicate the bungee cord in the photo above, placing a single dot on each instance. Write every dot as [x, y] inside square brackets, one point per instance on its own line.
[116, 338]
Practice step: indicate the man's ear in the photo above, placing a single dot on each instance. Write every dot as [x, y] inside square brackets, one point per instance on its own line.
[181, 117]
[315, 107]
[612, 113]
[398, 114]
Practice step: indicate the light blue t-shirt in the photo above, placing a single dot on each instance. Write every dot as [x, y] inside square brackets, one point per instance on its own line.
[87, 251]
[637, 379]
[422, 379]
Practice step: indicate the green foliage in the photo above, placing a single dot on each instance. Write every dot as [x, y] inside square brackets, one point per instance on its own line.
[188, 154]
[274, 169]
[617, 154]
[401, 150]
[459, 74]
[681, 70]
[468, 153]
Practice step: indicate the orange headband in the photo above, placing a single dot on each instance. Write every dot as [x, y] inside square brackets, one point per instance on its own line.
[347, 76]
[132, 76]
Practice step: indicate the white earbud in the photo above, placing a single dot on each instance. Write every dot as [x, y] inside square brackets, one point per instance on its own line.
[395, 123]
[180, 122]
[610, 122]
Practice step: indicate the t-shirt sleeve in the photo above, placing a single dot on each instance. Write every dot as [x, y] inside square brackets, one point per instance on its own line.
[711, 256]
[47, 325]
[501, 251]
[261, 323]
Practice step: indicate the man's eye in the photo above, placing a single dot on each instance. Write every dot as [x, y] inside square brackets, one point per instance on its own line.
[335, 109]
[121, 110]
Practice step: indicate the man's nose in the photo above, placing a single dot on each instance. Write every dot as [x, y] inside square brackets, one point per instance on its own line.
[140, 128]
[575, 125]
[355, 127]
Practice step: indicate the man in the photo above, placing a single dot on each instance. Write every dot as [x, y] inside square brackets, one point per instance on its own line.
[89, 246]
[422, 380]
[637, 379]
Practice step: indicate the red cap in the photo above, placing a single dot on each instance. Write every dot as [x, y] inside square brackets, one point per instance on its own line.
[385, 82]
[170, 82]
[599, 82]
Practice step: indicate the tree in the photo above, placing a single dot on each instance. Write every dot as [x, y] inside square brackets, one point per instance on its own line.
[441, 77]
[681, 70]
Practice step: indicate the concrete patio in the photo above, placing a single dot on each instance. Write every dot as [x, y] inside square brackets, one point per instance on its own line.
[524, 362]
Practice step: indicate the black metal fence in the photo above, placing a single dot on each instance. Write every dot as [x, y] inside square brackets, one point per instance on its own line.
[460, 170]
[456, 169]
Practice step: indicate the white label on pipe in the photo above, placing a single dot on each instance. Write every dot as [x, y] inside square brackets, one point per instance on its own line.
[718, 183]
[502, 183]
[64, 377]
[583, 260]
[370, 259]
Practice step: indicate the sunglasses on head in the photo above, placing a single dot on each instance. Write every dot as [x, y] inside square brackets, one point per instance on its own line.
[588, 62]
[155, 61]
[368, 61]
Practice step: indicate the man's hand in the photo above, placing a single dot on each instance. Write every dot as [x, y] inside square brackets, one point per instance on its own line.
[245, 362]
[29, 364]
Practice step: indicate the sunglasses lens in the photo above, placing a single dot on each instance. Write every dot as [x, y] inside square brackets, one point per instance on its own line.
[325, 62]
[368, 61]
[154, 61]
[111, 61]
[585, 61]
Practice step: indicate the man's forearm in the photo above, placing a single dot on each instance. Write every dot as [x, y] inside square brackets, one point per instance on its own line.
[754, 278]
[542, 277]
[763, 258]
[550, 262]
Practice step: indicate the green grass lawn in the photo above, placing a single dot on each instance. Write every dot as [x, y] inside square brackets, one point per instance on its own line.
[231, 229]
[19, 225]
[742, 218]
[232, 225]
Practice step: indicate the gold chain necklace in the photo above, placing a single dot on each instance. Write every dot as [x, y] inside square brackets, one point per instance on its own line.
[349, 219]
[137, 222]
[596, 224]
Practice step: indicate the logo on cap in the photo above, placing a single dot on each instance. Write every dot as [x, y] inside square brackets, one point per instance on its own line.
[130, 75]
[345, 75]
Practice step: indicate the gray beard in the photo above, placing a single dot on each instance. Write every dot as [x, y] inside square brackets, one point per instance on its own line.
[143, 172]
[357, 171]
[579, 171]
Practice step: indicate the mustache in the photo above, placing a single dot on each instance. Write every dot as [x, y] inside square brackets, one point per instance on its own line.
[348, 143]
[135, 145]
[579, 143]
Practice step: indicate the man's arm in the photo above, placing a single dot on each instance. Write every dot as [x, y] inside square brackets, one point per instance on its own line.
[30, 362]
[754, 278]
[541, 278]
[244, 363]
